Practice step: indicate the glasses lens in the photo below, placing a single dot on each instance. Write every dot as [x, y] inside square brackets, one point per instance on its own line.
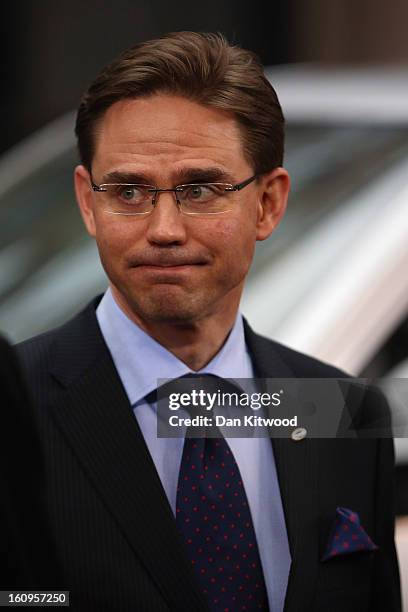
[123, 199]
[205, 198]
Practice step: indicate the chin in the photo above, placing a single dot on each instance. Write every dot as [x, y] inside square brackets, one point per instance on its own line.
[171, 308]
[169, 315]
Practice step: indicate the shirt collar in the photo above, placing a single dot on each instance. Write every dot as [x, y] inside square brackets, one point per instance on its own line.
[141, 360]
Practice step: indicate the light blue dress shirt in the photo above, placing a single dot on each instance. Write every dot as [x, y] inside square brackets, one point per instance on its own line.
[140, 362]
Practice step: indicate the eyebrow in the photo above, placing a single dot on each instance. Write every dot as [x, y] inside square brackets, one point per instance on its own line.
[185, 175]
[119, 176]
[203, 175]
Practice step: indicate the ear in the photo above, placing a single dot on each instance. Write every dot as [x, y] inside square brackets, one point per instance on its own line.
[273, 196]
[84, 198]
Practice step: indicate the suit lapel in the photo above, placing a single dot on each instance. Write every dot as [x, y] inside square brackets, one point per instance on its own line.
[95, 415]
[297, 468]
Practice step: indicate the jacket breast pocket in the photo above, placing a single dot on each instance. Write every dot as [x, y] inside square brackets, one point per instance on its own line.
[350, 571]
[344, 583]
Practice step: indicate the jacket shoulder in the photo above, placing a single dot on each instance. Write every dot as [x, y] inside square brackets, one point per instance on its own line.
[304, 365]
[67, 346]
[37, 351]
[269, 354]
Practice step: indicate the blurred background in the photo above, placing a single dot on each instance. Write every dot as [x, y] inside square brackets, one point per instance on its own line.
[333, 280]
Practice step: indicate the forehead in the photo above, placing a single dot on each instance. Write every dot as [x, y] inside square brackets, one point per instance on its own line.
[163, 133]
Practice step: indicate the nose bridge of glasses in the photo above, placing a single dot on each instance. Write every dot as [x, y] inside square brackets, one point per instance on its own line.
[155, 193]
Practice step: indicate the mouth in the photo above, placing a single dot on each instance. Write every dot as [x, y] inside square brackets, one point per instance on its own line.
[166, 263]
[168, 272]
[171, 265]
[170, 268]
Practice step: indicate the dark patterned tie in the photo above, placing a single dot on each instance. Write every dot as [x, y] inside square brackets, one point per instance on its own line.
[214, 518]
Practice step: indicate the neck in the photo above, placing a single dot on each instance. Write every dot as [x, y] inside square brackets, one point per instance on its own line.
[195, 343]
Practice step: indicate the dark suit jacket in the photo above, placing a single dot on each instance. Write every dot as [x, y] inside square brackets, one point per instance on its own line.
[28, 556]
[116, 534]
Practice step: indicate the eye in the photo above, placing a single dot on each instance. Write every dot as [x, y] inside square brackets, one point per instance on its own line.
[201, 193]
[130, 193]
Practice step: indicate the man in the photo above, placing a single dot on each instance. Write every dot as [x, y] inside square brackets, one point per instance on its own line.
[181, 143]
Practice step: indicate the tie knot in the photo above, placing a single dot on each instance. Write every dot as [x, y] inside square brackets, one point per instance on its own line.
[188, 383]
[209, 383]
[195, 391]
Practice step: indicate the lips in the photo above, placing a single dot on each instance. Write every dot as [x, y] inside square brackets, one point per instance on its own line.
[166, 262]
[171, 264]
[153, 259]
[167, 269]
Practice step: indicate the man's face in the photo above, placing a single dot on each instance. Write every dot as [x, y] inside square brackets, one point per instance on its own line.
[168, 266]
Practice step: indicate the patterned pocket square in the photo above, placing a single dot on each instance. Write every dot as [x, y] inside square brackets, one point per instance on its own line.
[347, 535]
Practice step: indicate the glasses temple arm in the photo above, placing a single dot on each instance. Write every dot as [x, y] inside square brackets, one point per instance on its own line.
[240, 186]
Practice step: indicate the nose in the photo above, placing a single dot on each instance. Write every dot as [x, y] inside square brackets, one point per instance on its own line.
[166, 225]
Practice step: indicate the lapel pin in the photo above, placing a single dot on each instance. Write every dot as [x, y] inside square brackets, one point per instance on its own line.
[298, 434]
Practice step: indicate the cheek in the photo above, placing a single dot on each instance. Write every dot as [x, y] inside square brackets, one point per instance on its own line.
[114, 240]
[235, 241]
[232, 229]
[115, 234]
